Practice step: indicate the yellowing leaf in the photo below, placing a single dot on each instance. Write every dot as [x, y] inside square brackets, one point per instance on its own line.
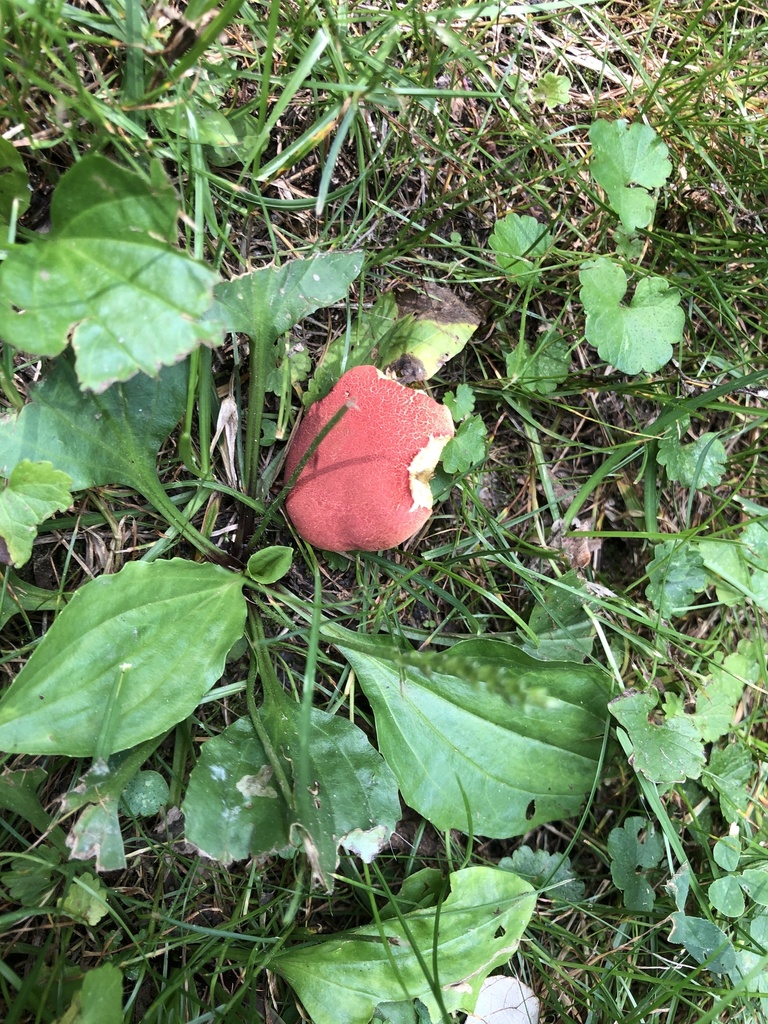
[34, 491]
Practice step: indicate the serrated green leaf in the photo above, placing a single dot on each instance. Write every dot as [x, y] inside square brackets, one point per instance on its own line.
[726, 897]
[461, 403]
[30, 878]
[624, 156]
[466, 448]
[675, 574]
[14, 183]
[551, 873]
[666, 748]
[717, 700]
[632, 855]
[520, 244]
[636, 337]
[108, 276]
[480, 925]
[111, 438]
[542, 370]
[146, 794]
[693, 465]
[132, 654]
[86, 899]
[33, 492]
[463, 738]
[552, 90]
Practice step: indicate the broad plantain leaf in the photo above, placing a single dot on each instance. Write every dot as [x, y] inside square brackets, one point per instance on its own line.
[112, 438]
[628, 162]
[109, 276]
[472, 743]
[480, 926]
[129, 657]
[19, 596]
[636, 337]
[34, 491]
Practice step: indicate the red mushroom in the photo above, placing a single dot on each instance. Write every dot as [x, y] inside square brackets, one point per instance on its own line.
[366, 487]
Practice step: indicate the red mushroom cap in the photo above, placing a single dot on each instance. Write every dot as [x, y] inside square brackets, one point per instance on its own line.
[366, 487]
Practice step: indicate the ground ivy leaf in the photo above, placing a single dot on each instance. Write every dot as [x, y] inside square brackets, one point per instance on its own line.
[704, 941]
[665, 749]
[675, 574]
[109, 276]
[14, 183]
[728, 568]
[693, 465]
[520, 243]
[542, 370]
[473, 741]
[30, 878]
[112, 438]
[632, 338]
[132, 654]
[234, 808]
[552, 90]
[467, 448]
[717, 700]
[624, 156]
[631, 856]
[34, 491]
[480, 925]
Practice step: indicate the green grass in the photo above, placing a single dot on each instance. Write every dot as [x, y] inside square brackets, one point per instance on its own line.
[407, 131]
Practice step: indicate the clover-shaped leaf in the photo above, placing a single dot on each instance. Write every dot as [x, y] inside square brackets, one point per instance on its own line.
[625, 156]
[109, 275]
[636, 337]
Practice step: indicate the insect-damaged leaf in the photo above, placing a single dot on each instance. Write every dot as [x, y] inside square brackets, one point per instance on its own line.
[129, 657]
[482, 730]
[109, 275]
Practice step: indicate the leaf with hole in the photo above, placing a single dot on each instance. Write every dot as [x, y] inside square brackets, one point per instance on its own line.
[108, 276]
[482, 737]
[480, 925]
[628, 163]
[640, 336]
[706, 943]
[635, 848]
[33, 492]
[130, 656]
